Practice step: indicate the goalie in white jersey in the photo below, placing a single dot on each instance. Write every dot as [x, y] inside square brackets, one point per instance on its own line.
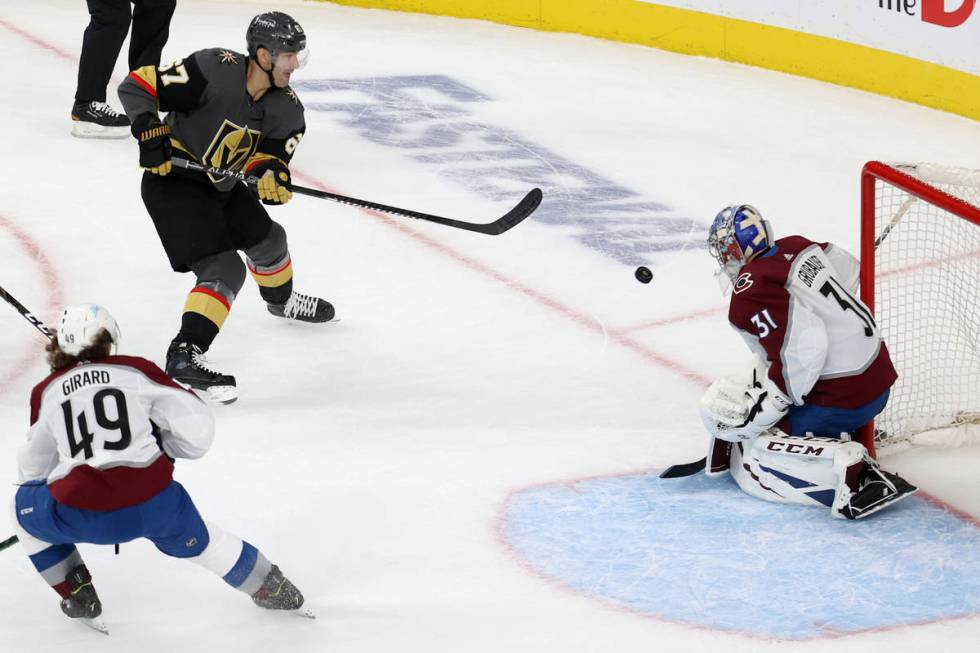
[98, 467]
[785, 434]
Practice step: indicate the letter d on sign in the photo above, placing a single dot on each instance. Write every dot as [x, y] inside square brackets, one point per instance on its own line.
[934, 11]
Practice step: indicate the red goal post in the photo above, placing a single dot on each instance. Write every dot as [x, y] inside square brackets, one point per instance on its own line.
[920, 275]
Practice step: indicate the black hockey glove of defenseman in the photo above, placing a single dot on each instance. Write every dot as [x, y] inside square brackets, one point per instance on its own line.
[273, 184]
[154, 140]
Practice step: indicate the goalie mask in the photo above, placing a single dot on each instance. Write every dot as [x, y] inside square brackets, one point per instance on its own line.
[80, 326]
[277, 33]
[737, 235]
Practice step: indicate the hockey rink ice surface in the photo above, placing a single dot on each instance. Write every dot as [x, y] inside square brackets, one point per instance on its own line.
[468, 460]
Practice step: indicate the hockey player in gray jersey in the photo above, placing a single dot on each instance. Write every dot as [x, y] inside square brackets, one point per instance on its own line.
[232, 111]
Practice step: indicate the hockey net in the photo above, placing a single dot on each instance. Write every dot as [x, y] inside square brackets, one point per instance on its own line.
[920, 274]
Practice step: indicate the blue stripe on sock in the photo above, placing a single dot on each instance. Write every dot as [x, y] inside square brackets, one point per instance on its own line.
[244, 566]
[51, 556]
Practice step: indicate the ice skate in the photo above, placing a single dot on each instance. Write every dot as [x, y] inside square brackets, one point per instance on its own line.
[186, 363]
[82, 601]
[98, 120]
[278, 593]
[303, 308]
[876, 490]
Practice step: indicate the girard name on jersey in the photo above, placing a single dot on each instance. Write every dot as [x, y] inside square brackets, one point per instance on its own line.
[76, 381]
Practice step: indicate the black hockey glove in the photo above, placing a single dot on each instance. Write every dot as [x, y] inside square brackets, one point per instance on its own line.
[154, 140]
[273, 184]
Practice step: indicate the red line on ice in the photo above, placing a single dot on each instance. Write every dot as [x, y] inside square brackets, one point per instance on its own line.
[38, 41]
[54, 295]
[619, 336]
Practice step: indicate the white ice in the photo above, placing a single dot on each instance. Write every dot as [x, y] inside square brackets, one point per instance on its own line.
[370, 458]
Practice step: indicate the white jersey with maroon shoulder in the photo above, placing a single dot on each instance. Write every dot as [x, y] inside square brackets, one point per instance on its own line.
[796, 307]
[103, 433]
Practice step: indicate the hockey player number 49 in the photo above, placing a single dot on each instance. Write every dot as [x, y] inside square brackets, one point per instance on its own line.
[121, 424]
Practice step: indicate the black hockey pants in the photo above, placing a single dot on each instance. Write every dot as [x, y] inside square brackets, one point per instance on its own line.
[108, 25]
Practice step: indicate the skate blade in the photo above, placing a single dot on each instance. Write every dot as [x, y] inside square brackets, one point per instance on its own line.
[81, 129]
[96, 625]
[219, 394]
[304, 612]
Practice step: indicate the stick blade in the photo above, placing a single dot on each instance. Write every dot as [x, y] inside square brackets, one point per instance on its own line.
[516, 215]
[684, 469]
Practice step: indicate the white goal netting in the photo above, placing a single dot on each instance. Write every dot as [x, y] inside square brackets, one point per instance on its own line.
[927, 300]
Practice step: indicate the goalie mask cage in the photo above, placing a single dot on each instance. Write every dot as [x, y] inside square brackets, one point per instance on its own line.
[920, 274]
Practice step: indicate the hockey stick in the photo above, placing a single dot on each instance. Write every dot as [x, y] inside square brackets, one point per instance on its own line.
[509, 220]
[684, 469]
[26, 313]
[39, 325]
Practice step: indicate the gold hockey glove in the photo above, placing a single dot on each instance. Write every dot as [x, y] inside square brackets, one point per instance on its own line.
[154, 141]
[273, 184]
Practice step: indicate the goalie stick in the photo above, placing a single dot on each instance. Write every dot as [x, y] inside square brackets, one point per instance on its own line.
[509, 220]
[684, 469]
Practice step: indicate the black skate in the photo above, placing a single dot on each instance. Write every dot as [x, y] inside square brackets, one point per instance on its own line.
[98, 120]
[303, 308]
[876, 490]
[186, 363]
[277, 592]
[83, 602]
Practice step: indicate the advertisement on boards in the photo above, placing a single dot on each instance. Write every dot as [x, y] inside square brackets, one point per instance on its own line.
[944, 32]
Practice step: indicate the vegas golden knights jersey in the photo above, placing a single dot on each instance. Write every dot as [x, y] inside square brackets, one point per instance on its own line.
[212, 117]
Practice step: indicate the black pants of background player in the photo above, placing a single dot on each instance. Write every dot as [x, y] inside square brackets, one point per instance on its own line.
[108, 26]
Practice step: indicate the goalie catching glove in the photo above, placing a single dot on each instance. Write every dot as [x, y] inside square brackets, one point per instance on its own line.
[154, 142]
[273, 182]
[733, 412]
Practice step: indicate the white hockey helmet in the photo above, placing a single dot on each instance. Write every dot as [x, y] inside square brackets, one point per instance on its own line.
[80, 326]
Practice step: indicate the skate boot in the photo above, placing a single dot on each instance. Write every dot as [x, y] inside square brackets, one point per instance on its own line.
[876, 490]
[186, 363]
[98, 120]
[303, 308]
[82, 602]
[277, 593]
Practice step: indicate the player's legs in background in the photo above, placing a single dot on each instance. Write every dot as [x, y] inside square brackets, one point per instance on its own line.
[151, 28]
[103, 38]
[176, 528]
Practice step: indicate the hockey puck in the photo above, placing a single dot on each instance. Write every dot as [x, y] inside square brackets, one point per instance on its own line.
[643, 274]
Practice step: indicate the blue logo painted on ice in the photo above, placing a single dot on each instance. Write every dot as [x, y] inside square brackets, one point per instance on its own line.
[698, 551]
[427, 116]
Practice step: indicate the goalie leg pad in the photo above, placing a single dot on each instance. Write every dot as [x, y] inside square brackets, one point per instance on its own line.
[807, 471]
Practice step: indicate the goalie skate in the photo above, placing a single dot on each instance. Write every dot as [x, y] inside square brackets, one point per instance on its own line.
[877, 489]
